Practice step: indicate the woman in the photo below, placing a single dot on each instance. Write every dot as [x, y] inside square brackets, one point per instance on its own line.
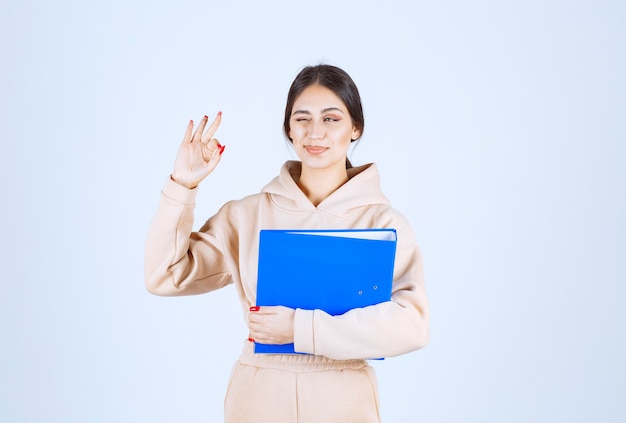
[332, 382]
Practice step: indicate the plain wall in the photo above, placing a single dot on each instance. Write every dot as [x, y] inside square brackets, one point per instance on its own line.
[499, 131]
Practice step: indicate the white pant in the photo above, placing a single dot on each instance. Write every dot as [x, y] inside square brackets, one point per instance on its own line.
[276, 388]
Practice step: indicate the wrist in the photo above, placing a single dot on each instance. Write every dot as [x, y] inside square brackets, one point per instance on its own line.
[181, 183]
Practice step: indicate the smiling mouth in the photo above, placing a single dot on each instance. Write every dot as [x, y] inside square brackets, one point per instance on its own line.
[315, 150]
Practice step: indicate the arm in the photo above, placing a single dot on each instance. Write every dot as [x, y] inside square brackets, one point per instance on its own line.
[383, 330]
[177, 261]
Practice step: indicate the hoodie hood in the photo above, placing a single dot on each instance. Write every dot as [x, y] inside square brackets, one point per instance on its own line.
[360, 191]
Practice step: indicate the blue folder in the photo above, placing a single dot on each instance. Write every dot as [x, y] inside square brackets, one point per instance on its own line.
[330, 270]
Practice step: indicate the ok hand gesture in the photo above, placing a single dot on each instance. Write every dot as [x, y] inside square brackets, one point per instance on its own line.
[198, 154]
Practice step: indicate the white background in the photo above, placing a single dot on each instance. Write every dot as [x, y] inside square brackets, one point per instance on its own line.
[499, 129]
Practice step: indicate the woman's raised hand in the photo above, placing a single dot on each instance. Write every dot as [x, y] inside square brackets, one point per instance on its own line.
[198, 154]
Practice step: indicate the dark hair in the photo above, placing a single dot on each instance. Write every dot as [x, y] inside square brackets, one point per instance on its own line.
[336, 80]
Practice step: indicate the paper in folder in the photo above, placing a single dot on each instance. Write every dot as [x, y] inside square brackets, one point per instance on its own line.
[331, 270]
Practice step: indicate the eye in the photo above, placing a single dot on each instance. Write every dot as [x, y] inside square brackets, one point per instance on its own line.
[302, 119]
[331, 119]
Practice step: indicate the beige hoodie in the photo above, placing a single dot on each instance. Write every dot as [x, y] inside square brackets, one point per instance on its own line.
[225, 250]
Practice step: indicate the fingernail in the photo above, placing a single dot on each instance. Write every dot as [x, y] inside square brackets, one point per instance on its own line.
[222, 149]
[219, 113]
[254, 308]
[206, 117]
[251, 339]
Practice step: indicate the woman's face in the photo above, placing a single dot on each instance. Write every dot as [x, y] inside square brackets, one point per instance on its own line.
[321, 128]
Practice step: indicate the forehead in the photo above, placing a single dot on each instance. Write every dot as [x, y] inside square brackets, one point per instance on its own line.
[317, 97]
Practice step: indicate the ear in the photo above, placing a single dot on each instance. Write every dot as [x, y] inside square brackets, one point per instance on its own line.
[355, 133]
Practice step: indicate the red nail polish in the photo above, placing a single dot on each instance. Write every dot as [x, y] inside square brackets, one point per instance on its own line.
[251, 339]
[206, 117]
[254, 308]
[219, 113]
[222, 149]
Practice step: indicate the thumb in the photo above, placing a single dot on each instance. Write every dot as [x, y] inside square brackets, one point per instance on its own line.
[214, 150]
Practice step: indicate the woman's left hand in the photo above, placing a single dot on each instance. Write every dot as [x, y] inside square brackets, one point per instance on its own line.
[271, 324]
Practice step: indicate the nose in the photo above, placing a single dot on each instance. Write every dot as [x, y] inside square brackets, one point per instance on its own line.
[317, 130]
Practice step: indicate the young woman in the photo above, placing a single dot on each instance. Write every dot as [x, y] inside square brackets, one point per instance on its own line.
[332, 382]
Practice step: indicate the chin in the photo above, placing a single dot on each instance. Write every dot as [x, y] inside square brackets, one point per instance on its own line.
[322, 163]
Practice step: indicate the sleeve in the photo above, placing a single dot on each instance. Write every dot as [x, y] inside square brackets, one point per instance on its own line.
[383, 330]
[178, 261]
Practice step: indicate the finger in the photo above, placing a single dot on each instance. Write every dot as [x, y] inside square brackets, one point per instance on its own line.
[187, 137]
[197, 135]
[208, 135]
[268, 310]
[257, 336]
[213, 144]
[257, 332]
[212, 152]
[254, 319]
[208, 150]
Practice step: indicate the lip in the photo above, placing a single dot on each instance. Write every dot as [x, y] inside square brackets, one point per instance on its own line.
[315, 150]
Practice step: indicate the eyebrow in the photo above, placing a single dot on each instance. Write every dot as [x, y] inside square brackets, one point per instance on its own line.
[328, 109]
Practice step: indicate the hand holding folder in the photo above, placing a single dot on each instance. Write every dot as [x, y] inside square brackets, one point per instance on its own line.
[331, 270]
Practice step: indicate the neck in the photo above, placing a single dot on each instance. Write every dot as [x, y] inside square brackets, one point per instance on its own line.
[318, 184]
